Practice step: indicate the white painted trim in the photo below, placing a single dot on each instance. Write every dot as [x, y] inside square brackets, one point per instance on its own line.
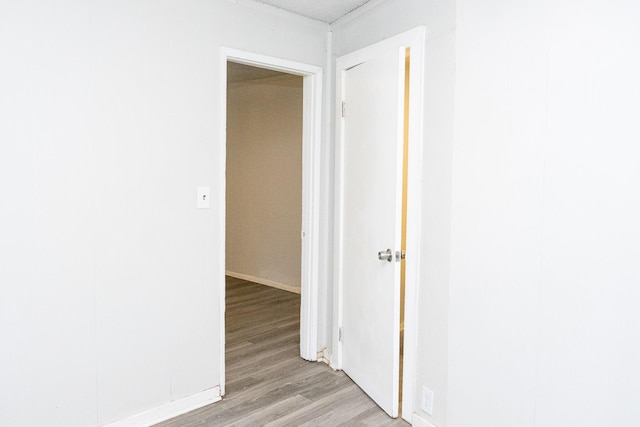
[170, 410]
[311, 161]
[418, 421]
[324, 356]
[222, 218]
[263, 281]
[415, 40]
[311, 167]
[414, 216]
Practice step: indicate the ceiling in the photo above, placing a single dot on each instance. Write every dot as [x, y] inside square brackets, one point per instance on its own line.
[323, 10]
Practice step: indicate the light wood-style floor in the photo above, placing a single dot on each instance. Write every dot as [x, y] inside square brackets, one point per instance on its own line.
[268, 384]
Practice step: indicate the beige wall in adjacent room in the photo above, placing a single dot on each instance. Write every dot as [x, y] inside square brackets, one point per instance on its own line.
[264, 179]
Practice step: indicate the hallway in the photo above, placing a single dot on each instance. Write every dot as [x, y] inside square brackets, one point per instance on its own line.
[267, 382]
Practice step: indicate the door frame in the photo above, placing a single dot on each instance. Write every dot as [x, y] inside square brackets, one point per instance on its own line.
[415, 40]
[311, 167]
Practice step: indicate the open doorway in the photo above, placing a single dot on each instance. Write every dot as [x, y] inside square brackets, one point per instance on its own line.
[263, 222]
[307, 226]
[369, 293]
[264, 176]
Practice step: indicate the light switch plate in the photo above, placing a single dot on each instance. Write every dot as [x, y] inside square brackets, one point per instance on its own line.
[203, 198]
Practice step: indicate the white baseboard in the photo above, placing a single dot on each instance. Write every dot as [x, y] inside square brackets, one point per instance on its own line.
[170, 410]
[324, 356]
[418, 421]
[266, 282]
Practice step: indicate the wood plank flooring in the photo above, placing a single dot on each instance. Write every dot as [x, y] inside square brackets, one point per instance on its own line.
[268, 384]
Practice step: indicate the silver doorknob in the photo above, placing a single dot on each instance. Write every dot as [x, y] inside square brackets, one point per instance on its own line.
[385, 255]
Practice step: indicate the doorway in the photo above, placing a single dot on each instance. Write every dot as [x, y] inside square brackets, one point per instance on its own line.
[371, 125]
[311, 132]
[264, 176]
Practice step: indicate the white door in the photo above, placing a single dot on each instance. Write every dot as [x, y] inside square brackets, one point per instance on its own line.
[370, 222]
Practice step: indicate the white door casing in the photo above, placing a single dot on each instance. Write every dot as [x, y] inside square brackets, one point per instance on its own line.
[368, 199]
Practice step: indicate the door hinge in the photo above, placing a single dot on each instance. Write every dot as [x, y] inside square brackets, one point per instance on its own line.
[344, 108]
[340, 335]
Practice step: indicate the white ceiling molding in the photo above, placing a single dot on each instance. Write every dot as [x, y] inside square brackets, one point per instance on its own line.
[322, 10]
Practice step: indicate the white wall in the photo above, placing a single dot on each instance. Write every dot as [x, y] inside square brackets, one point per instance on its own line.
[110, 119]
[438, 16]
[528, 307]
[544, 327]
[110, 116]
[264, 179]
